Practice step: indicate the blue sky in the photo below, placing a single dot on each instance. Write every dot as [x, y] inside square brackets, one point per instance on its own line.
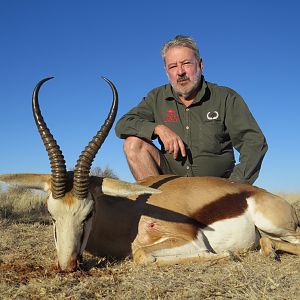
[250, 46]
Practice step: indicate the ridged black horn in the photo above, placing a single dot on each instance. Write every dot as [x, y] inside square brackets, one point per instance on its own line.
[84, 163]
[58, 165]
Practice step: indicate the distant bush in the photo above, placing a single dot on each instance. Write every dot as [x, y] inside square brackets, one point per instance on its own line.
[98, 171]
[23, 204]
[107, 172]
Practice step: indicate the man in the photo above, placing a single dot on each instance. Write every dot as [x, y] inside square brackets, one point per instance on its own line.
[197, 124]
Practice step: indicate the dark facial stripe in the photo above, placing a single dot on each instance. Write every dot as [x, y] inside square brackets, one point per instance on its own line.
[227, 207]
[82, 236]
[55, 234]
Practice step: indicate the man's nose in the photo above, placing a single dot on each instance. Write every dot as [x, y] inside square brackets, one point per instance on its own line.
[180, 70]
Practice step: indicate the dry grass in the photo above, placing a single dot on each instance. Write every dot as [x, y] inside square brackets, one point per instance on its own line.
[24, 205]
[292, 197]
[27, 256]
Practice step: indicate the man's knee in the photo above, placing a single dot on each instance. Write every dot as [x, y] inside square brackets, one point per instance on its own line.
[142, 156]
[132, 144]
[135, 146]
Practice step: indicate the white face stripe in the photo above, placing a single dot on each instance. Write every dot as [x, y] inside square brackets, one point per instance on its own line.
[71, 227]
[54, 234]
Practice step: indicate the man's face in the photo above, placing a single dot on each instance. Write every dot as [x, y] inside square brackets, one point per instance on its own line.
[184, 71]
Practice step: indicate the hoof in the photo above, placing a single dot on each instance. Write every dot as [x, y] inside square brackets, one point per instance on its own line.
[142, 258]
[268, 249]
[273, 256]
[234, 257]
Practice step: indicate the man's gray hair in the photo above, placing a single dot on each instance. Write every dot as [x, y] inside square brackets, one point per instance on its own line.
[183, 41]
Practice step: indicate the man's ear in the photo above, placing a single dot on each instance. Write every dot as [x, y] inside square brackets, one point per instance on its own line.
[201, 66]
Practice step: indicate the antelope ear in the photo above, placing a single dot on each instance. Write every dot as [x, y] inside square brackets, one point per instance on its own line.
[118, 188]
[114, 187]
[31, 181]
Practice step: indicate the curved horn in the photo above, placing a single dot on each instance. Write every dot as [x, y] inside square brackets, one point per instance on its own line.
[84, 163]
[58, 165]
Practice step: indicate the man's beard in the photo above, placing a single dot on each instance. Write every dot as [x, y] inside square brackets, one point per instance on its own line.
[187, 91]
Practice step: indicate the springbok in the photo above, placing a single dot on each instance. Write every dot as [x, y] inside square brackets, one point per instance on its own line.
[163, 219]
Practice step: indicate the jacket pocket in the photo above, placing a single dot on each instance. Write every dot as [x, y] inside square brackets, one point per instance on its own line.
[211, 135]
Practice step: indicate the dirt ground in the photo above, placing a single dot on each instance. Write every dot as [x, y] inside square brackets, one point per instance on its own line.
[27, 256]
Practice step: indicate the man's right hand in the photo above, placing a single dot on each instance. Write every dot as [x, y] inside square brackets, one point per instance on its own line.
[172, 142]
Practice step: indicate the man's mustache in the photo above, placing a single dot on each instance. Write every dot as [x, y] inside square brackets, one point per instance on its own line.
[183, 78]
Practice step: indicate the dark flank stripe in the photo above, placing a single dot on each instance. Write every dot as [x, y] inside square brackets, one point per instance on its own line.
[227, 207]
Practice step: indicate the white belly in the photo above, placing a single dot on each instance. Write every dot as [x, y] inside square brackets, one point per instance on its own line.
[234, 234]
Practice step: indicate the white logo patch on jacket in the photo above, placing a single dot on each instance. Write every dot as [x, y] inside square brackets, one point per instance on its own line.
[212, 115]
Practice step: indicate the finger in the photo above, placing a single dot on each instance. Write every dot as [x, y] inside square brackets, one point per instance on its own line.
[182, 148]
[171, 149]
[176, 149]
[168, 147]
[166, 144]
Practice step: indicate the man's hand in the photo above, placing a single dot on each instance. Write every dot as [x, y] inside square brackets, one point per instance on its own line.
[172, 142]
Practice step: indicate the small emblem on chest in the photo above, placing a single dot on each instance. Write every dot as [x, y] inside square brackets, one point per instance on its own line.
[212, 115]
[171, 116]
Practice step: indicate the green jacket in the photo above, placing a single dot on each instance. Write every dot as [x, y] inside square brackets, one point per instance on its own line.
[217, 121]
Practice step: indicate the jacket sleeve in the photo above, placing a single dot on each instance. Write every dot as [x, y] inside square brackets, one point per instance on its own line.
[247, 138]
[139, 121]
